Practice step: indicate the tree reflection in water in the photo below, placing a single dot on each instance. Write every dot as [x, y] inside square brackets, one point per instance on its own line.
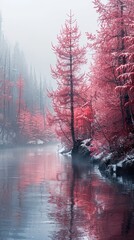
[69, 211]
[91, 207]
[80, 169]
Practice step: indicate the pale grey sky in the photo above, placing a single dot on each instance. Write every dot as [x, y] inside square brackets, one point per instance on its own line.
[34, 24]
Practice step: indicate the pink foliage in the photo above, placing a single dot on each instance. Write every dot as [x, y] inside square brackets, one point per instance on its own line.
[83, 118]
[70, 83]
[31, 126]
[112, 69]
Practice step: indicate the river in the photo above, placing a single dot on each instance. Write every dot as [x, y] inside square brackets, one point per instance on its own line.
[43, 196]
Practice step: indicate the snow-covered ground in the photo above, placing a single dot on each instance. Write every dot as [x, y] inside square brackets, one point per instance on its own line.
[119, 167]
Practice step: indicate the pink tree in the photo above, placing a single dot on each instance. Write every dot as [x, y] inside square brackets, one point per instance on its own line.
[126, 72]
[20, 101]
[31, 126]
[71, 89]
[115, 18]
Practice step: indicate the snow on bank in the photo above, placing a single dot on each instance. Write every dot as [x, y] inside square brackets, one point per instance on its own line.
[64, 151]
[36, 142]
[128, 159]
[81, 147]
[86, 142]
[113, 165]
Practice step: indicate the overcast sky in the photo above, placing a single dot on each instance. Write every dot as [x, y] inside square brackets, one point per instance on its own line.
[34, 24]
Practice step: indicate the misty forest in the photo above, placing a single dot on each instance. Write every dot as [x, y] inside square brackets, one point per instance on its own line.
[88, 114]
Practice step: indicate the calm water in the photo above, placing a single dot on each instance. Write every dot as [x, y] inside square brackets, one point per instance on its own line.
[43, 196]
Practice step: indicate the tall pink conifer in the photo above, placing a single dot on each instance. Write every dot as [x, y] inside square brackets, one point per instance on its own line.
[71, 88]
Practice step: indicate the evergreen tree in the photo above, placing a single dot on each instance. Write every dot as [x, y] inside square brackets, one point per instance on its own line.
[70, 81]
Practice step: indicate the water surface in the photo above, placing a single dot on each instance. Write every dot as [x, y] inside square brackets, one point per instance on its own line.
[44, 196]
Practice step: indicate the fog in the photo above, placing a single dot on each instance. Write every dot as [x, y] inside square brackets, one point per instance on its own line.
[34, 24]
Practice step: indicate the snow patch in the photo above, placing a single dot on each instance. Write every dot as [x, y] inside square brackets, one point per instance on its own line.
[40, 142]
[114, 167]
[86, 142]
[98, 156]
[34, 142]
[64, 151]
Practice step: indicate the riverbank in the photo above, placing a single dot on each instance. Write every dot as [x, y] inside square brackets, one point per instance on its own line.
[81, 149]
[119, 166]
[118, 162]
[118, 158]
